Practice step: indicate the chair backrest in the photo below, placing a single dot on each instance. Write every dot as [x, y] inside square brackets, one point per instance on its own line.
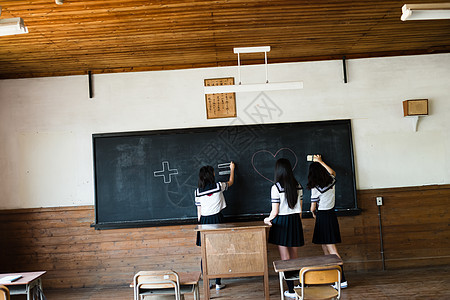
[164, 279]
[4, 293]
[320, 275]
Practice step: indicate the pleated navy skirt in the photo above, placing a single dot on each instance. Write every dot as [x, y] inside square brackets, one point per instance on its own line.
[213, 219]
[326, 229]
[287, 230]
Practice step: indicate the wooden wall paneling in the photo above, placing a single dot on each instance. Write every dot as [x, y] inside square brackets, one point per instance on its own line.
[60, 240]
[72, 252]
[415, 225]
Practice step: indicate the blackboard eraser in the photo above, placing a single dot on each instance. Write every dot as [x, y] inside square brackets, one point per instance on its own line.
[309, 157]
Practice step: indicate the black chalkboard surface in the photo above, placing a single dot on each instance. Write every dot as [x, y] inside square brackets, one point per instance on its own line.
[148, 178]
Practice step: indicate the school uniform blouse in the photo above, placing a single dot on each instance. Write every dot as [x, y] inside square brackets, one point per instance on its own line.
[278, 196]
[211, 199]
[324, 196]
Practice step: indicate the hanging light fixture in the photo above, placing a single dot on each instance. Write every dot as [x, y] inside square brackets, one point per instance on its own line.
[12, 26]
[267, 86]
[427, 11]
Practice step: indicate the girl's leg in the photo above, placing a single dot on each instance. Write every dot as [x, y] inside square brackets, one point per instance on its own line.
[285, 254]
[293, 252]
[325, 249]
[331, 248]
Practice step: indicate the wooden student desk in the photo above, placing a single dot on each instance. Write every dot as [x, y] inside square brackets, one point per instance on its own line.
[296, 264]
[188, 280]
[234, 250]
[25, 284]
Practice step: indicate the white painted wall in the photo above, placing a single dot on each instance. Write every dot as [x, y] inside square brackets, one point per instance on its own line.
[46, 124]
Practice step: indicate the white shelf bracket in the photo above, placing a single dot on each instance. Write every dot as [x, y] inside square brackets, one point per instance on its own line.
[415, 121]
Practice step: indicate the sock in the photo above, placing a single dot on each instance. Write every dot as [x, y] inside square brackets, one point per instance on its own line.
[290, 285]
[342, 274]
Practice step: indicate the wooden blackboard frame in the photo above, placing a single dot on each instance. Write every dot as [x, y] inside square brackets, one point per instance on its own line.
[192, 220]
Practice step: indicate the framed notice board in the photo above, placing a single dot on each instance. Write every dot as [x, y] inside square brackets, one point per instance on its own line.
[148, 178]
[221, 105]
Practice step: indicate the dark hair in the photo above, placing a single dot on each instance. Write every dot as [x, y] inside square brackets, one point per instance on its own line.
[206, 176]
[318, 176]
[285, 176]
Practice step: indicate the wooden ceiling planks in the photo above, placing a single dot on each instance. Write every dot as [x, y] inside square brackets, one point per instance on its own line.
[135, 35]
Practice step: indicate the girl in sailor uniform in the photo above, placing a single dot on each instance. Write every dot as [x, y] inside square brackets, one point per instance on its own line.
[321, 182]
[210, 201]
[286, 230]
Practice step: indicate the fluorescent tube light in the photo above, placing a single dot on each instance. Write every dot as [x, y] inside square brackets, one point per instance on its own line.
[271, 86]
[12, 26]
[429, 11]
[252, 49]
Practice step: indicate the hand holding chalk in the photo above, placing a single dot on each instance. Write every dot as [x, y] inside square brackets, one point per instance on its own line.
[315, 157]
[226, 168]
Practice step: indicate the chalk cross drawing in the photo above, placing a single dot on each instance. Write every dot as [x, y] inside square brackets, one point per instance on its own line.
[166, 172]
[274, 156]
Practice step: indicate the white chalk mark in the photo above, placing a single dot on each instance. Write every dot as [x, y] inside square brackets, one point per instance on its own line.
[274, 156]
[224, 165]
[166, 172]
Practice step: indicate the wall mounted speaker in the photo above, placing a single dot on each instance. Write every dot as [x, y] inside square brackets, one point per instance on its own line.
[416, 107]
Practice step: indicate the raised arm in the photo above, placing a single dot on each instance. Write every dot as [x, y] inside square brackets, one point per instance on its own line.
[318, 158]
[231, 180]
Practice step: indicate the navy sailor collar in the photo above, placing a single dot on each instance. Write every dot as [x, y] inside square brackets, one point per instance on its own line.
[208, 189]
[326, 188]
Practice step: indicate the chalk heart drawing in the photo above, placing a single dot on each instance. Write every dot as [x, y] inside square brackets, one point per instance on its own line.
[263, 159]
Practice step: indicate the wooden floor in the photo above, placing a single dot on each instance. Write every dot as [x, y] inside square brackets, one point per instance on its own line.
[423, 283]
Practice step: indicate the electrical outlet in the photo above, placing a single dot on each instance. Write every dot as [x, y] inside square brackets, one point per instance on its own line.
[379, 201]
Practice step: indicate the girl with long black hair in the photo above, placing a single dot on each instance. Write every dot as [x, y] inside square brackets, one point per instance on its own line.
[286, 230]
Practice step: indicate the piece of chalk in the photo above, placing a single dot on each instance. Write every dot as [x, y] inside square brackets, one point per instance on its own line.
[309, 157]
[223, 165]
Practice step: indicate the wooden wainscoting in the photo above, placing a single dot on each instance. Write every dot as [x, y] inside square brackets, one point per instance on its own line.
[415, 224]
[61, 241]
[415, 227]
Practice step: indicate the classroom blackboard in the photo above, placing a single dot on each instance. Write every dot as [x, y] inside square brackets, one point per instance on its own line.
[148, 178]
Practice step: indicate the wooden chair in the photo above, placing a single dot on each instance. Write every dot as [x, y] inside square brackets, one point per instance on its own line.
[159, 285]
[4, 293]
[315, 283]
